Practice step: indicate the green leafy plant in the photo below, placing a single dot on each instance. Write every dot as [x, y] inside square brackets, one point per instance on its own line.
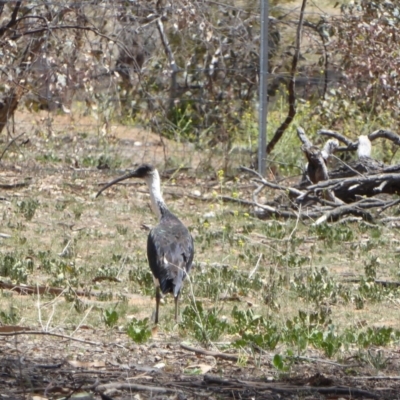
[316, 285]
[205, 325]
[332, 234]
[281, 363]
[27, 208]
[139, 330]
[110, 317]
[254, 330]
[14, 266]
[9, 317]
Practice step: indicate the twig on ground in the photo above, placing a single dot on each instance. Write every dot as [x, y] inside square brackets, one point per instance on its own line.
[379, 378]
[83, 320]
[16, 333]
[255, 268]
[223, 356]
[15, 185]
[132, 386]
[321, 361]
[280, 387]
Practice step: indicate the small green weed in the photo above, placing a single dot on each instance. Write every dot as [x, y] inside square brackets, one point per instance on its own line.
[15, 267]
[9, 317]
[331, 234]
[316, 285]
[254, 330]
[281, 363]
[205, 325]
[27, 208]
[110, 317]
[142, 276]
[139, 330]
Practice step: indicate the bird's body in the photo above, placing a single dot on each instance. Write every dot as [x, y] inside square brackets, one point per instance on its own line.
[170, 247]
[364, 147]
[329, 148]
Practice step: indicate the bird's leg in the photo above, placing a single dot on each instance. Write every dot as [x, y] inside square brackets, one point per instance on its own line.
[158, 298]
[176, 307]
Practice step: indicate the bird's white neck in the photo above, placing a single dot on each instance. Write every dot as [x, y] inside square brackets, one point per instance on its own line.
[157, 201]
[364, 147]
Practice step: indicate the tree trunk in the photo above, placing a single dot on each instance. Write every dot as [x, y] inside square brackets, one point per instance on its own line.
[10, 104]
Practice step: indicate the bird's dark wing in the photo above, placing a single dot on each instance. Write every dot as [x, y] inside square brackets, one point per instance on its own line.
[170, 252]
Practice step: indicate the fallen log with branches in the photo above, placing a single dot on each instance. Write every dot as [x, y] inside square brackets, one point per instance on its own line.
[362, 187]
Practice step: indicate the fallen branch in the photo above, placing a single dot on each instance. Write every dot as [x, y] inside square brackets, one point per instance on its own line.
[291, 86]
[379, 378]
[16, 333]
[350, 145]
[383, 133]
[291, 190]
[132, 386]
[17, 185]
[346, 209]
[33, 290]
[285, 388]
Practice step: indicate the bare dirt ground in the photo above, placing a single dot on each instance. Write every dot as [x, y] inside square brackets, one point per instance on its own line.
[43, 367]
[84, 359]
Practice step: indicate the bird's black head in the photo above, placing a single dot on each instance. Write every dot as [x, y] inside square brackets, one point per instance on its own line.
[144, 171]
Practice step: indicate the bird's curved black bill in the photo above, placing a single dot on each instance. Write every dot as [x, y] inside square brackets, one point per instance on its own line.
[132, 174]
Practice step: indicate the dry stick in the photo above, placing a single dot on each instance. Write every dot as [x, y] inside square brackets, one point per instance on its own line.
[132, 386]
[83, 320]
[223, 356]
[321, 361]
[325, 41]
[391, 168]
[391, 204]
[343, 210]
[291, 87]
[30, 289]
[303, 137]
[171, 59]
[50, 318]
[347, 182]
[297, 224]
[347, 165]
[379, 377]
[14, 185]
[50, 334]
[39, 309]
[255, 268]
[283, 388]
[10, 143]
[382, 133]
[289, 189]
[235, 200]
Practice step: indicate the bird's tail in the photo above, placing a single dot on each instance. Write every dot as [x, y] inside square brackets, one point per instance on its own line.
[178, 280]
